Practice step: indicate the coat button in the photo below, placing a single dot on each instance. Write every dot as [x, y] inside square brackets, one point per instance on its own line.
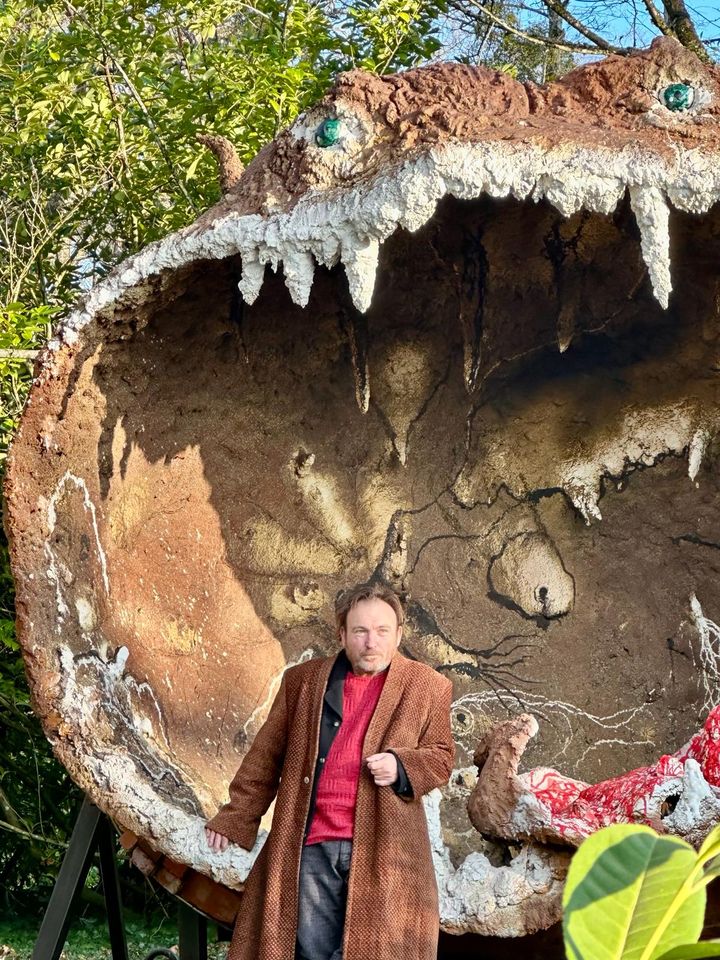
[337, 723]
[306, 779]
[322, 759]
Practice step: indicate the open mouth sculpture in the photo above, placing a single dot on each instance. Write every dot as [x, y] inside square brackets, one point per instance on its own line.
[449, 330]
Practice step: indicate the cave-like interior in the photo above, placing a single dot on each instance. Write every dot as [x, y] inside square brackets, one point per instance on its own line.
[505, 436]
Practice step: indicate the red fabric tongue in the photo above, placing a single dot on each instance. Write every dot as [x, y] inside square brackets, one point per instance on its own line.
[576, 810]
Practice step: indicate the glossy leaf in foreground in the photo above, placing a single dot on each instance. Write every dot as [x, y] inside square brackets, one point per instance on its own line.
[693, 951]
[622, 882]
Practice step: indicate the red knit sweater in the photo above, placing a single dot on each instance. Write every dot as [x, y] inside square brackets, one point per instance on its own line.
[338, 784]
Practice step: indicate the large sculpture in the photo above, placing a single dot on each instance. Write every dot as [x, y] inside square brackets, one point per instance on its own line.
[449, 330]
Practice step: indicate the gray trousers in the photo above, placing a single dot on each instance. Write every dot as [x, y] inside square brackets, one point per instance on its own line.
[324, 869]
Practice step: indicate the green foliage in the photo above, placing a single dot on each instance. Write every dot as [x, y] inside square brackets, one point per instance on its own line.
[694, 951]
[88, 937]
[21, 328]
[101, 102]
[401, 33]
[632, 894]
[528, 44]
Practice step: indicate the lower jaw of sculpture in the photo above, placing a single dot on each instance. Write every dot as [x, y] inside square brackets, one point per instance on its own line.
[678, 794]
[550, 512]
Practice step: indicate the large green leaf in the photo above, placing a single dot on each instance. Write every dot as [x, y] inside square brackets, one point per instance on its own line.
[693, 951]
[623, 883]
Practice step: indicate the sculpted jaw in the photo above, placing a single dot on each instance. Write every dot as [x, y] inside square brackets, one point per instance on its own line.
[322, 195]
[350, 226]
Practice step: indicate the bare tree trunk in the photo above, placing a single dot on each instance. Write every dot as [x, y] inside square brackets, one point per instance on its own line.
[682, 26]
[552, 58]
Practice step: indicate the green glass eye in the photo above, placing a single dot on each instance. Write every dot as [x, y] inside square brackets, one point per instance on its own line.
[678, 96]
[328, 132]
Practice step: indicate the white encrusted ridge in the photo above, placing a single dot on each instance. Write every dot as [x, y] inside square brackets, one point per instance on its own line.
[653, 218]
[350, 224]
[645, 436]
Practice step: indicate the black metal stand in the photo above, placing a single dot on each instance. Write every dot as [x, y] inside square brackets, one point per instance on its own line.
[193, 934]
[93, 832]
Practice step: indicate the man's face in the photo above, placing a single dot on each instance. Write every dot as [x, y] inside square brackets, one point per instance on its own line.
[371, 635]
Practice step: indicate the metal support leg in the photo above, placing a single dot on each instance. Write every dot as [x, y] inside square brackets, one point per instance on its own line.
[111, 889]
[70, 881]
[193, 934]
[92, 829]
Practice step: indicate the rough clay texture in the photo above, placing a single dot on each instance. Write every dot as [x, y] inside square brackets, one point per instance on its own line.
[506, 406]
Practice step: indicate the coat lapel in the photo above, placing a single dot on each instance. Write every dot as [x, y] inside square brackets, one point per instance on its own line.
[336, 682]
[319, 684]
[391, 694]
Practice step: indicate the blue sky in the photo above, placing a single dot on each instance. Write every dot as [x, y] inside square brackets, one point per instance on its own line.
[624, 23]
[627, 22]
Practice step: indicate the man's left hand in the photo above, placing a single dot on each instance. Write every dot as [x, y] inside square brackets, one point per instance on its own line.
[384, 768]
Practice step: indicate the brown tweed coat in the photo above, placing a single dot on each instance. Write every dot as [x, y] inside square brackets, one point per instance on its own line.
[392, 905]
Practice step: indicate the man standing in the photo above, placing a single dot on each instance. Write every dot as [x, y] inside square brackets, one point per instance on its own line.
[351, 744]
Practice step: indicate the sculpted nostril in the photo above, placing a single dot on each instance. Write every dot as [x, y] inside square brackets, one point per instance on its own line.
[542, 594]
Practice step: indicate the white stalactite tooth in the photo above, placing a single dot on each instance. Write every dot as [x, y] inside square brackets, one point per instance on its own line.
[585, 499]
[565, 325]
[299, 271]
[696, 452]
[360, 260]
[565, 333]
[252, 275]
[357, 334]
[652, 214]
[400, 445]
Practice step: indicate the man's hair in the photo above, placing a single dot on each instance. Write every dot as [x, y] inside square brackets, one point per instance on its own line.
[366, 591]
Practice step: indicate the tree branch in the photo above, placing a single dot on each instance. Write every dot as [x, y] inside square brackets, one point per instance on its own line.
[657, 18]
[562, 12]
[12, 818]
[539, 41]
[30, 836]
[74, 12]
[117, 116]
[682, 26]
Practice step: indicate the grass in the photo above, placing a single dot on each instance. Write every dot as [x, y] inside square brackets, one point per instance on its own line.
[88, 939]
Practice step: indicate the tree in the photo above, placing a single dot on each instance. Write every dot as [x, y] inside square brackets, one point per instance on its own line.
[541, 35]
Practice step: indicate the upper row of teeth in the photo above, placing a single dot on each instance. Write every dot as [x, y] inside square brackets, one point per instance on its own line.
[349, 225]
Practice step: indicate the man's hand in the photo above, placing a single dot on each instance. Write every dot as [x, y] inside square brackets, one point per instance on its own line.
[384, 768]
[216, 841]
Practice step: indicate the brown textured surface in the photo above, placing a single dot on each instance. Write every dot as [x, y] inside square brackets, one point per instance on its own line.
[192, 434]
[600, 105]
[216, 550]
